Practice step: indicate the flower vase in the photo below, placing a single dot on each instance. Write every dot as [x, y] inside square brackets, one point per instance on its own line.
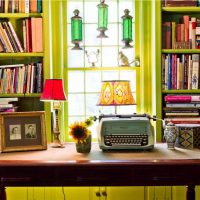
[84, 147]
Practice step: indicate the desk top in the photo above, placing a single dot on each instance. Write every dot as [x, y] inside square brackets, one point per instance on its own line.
[66, 167]
[68, 154]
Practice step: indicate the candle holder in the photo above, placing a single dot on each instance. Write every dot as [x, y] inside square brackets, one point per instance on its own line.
[102, 19]
[76, 30]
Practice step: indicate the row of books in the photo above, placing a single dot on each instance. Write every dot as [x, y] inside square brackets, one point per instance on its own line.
[180, 3]
[8, 104]
[21, 78]
[184, 34]
[180, 71]
[32, 36]
[20, 6]
[182, 109]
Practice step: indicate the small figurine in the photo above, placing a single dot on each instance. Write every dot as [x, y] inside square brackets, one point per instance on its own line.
[93, 57]
[124, 61]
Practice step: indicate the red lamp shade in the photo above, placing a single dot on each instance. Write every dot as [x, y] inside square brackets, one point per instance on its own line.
[53, 90]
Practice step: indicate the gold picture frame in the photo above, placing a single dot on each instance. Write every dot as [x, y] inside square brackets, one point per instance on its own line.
[22, 131]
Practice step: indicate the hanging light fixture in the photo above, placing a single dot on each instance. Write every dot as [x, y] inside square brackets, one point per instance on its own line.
[102, 19]
[127, 29]
[76, 30]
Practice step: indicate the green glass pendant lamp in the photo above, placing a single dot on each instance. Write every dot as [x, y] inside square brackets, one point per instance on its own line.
[127, 29]
[102, 19]
[76, 30]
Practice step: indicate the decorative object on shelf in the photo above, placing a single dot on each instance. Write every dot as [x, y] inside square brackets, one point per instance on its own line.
[76, 30]
[82, 135]
[54, 91]
[170, 134]
[124, 61]
[116, 93]
[22, 131]
[92, 57]
[188, 136]
[127, 29]
[102, 19]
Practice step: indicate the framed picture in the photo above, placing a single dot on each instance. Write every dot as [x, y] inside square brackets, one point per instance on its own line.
[22, 131]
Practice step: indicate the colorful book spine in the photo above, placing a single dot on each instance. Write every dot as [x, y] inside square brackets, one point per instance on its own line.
[182, 98]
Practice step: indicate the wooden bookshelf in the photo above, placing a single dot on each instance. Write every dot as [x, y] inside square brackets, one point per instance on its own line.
[27, 101]
[169, 14]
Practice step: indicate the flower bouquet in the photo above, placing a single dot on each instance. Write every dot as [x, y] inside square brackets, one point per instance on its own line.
[82, 135]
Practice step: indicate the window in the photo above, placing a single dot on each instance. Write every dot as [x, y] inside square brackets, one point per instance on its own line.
[84, 81]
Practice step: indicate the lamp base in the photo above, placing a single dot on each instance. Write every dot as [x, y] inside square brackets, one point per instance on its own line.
[57, 144]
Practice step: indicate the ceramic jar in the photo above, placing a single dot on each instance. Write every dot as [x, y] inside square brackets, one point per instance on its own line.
[170, 134]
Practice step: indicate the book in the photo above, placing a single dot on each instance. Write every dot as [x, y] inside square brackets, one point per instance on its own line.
[183, 105]
[195, 71]
[8, 99]
[183, 120]
[167, 33]
[180, 3]
[182, 98]
[36, 34]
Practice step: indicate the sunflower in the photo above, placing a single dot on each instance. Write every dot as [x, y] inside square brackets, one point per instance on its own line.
[79, 131]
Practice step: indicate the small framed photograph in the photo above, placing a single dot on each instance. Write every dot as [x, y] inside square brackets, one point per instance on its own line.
[22, 131]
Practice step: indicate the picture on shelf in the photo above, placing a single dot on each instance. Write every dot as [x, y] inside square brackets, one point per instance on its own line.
[21, 131]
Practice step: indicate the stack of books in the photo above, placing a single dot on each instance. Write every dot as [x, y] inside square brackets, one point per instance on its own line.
[182, 109]
[20, 6]
[21, 78]
[8, 104]
[183, 33]
[32, 40]
[180, 71]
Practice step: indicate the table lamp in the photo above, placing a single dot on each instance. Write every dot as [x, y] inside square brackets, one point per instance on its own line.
[53, 91]
[116, 93]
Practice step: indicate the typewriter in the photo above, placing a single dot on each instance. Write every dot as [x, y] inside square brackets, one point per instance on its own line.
[125, 132]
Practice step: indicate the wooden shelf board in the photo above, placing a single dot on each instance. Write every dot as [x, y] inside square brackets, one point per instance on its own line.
[21, 54]
[181, 91]
[21, 95]
[181, 9]
[20, 15]
[180, 50]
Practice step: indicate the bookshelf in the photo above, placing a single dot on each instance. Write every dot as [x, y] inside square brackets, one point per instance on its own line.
[28, 101]
[169, 14]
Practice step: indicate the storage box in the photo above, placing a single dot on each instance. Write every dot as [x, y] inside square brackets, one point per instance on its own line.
[188, 136]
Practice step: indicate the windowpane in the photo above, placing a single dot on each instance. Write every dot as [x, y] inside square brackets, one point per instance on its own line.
[91, 104]
[84, 80]
[93, 81]
[76, 81]
[76, 104]
[75, 58]
[109, 56]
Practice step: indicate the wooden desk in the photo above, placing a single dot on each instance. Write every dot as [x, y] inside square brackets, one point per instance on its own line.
[65, 167]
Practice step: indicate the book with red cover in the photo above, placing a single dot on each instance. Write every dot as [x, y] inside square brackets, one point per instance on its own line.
[182, 98]
[180, 3]
[28, 35]
[167, 33]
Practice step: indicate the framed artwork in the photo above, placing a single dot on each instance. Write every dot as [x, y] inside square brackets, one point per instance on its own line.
[22, 131]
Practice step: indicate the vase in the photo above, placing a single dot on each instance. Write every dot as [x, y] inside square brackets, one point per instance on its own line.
[170, 134]
[84, 147]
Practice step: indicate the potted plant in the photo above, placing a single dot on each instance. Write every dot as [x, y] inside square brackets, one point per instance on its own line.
[82, 135]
